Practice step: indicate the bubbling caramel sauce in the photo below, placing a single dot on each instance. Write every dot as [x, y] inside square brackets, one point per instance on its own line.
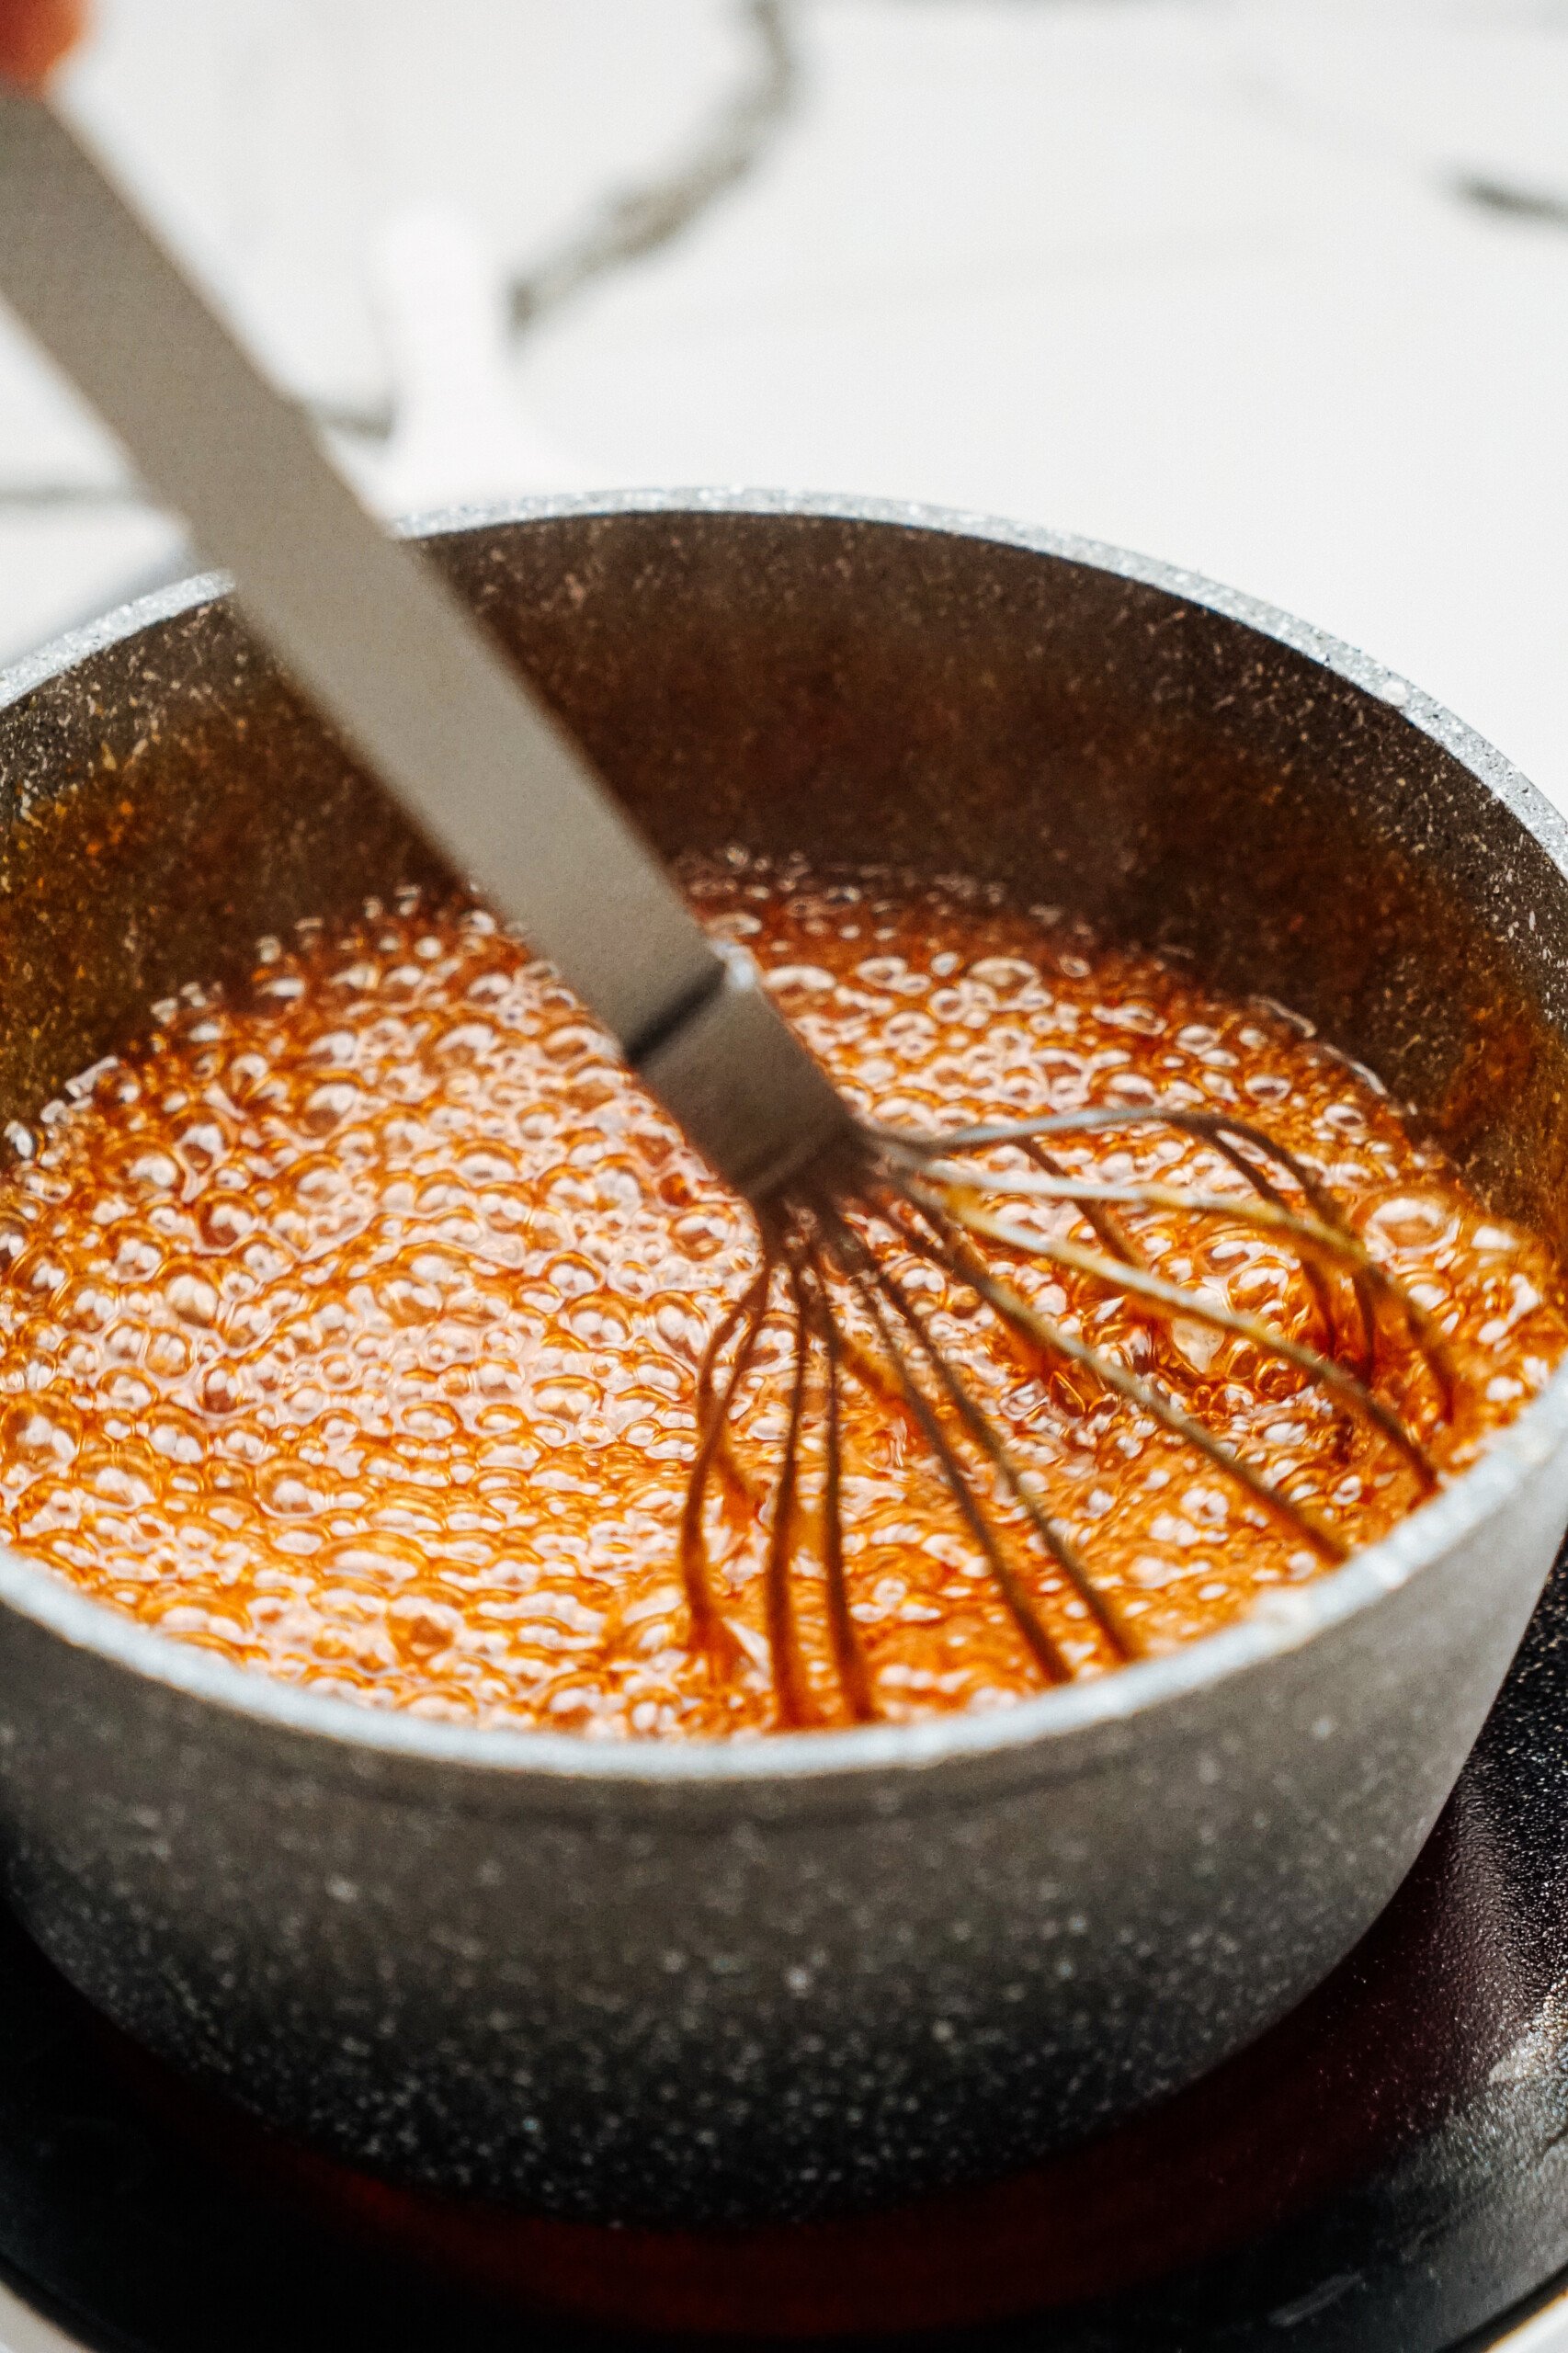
[350, 1326]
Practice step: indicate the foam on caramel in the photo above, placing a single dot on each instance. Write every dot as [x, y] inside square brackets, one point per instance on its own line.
[349, 1324]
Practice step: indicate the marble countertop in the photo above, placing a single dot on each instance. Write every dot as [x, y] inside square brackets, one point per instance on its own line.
[1277, 288]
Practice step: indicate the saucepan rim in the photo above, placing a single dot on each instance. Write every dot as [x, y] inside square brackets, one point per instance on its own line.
[1282, 1622]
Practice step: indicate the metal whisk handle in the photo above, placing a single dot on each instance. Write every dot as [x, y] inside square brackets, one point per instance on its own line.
[387, 653]
[744, 1088]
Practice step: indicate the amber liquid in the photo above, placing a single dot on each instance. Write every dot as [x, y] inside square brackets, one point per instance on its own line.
[350, 1325]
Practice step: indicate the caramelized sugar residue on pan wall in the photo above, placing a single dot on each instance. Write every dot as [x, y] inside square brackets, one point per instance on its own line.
[350, 1326]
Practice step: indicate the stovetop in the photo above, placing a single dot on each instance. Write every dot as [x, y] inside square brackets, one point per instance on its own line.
[1387, 2170]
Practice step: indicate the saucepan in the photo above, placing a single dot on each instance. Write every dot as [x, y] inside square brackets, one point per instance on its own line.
[820, 1971]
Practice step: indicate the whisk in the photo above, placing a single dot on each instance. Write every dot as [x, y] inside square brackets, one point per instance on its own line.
[826, 1265]
[412, 681]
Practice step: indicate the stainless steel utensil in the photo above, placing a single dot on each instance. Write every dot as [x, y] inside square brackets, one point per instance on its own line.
[394, 661]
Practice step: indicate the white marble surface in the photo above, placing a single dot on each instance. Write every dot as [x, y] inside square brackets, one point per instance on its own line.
[1547, 2332]
[23, 2331]
[1186, 273]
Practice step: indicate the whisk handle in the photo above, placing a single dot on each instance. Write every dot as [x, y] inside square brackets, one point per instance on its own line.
[386, 652]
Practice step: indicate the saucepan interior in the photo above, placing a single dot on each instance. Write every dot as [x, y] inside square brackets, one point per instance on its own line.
[1187, 769]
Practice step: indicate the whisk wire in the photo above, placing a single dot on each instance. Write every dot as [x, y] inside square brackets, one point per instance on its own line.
[1052, 1339]
[866, 1280]
[709, 1634]
[1312, 1240]
[989, 1440]
[1098, 1216]
[1171, 1301]
[822, 1258]
[783, 1634]
[848, 1651]
[1324, 1299]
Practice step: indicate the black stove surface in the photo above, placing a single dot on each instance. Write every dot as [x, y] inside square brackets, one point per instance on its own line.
[1387, 2169]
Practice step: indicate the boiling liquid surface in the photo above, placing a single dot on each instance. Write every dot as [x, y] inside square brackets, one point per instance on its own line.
[350, 1326]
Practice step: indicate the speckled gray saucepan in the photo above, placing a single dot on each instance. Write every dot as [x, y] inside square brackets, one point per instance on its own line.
[790, 1975]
